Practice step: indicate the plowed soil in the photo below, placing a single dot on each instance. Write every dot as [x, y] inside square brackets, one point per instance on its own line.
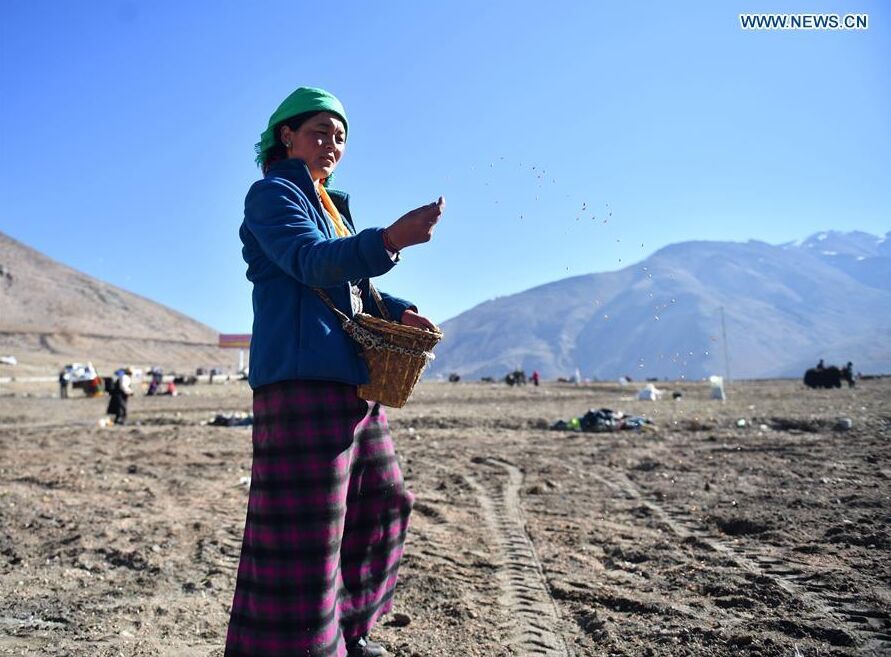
[756, 526]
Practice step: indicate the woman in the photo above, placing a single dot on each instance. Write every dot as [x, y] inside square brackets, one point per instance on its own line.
[120, 393]
[328, 509]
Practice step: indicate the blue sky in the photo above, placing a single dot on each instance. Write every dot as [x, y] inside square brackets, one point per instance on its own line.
[567, 137]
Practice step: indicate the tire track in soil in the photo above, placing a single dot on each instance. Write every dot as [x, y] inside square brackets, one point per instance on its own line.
[838, 609]
[218, 543]
[524, 590]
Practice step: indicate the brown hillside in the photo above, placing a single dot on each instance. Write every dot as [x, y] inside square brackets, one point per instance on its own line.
[51, 314]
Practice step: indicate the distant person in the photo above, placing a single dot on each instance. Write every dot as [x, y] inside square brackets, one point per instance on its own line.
[328, 508]
[157, 376]
[820, 365]
[63, 384]
[534, 378]
[120, 393]
[848, 374]
[171, 389]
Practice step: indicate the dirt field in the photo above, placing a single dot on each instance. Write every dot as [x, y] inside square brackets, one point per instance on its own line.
[703, 537]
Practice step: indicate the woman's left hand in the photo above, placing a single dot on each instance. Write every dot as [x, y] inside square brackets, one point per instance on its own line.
[411, 318]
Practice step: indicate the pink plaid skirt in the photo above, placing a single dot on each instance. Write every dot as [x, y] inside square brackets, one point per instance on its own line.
[326, 523]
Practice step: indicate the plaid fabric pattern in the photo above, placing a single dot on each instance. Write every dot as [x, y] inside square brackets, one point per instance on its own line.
[326, 523]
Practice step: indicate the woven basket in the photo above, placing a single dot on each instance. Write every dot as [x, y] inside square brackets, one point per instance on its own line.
[396, 354]
[395, 367]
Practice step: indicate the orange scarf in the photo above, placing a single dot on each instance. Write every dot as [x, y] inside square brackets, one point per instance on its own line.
[334, 217]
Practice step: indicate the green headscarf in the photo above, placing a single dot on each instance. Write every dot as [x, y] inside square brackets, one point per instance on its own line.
[305, 99]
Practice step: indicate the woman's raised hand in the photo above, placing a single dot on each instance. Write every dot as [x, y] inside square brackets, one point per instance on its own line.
[415, 227]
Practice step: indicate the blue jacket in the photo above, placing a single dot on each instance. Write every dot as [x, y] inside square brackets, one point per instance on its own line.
[290, 248]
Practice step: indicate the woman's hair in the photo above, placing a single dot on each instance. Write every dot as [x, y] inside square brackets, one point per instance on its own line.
[278, 152]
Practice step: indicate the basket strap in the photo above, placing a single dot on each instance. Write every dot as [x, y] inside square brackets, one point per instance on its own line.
[379, 301]
[342, 316]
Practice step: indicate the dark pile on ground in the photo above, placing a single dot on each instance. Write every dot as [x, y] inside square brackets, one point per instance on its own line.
[708, 536]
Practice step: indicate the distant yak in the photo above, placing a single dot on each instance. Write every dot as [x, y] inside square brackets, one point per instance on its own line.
[828, 377]
[516, 378]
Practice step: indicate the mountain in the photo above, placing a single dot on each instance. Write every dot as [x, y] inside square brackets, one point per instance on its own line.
[51, 314]
[784, 307]
[860, 255]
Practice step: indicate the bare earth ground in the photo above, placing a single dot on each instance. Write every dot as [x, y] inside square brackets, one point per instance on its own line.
[701, 538]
